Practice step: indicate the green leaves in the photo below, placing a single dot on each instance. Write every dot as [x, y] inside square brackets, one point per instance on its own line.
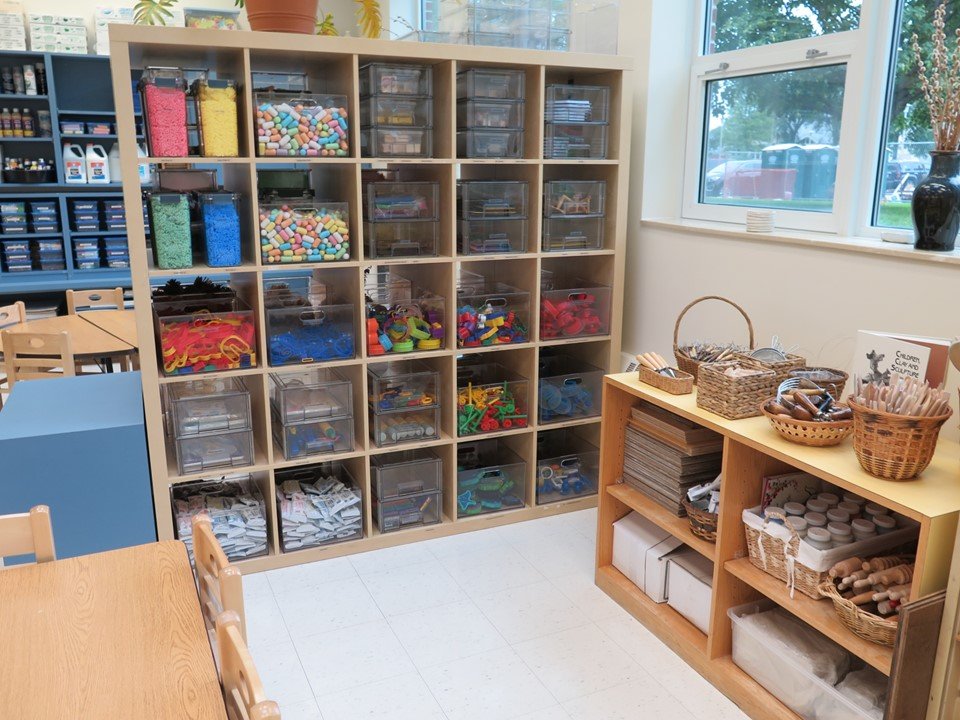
[369, 18]
[325, 24]
[153, 12]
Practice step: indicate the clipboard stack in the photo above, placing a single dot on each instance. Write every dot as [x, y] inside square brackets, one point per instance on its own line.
[664, 455]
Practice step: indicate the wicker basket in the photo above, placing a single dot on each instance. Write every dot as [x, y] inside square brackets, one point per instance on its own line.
[894, 447]
[733, 397]
[703, 524]
[833, 385]
[773, 561]
[861, 623]
[781, 367]
[690, 365]
[808, 432]
[680, 385]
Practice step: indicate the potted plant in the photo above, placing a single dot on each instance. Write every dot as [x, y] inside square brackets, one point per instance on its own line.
[936, 200]
[295, 16]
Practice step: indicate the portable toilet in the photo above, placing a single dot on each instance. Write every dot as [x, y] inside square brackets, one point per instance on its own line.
[821, 171]
[780, 166]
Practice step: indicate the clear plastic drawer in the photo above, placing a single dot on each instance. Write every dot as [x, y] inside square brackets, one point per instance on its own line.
[402, 385]
[394, 110]
[577, 104]
[498, 114]
[490, 478]
[318, 505]
[405, 426]
[314, 394]
[401, 238]
[396, 142]
[490, 143]
[391, 79]
[562, 140]
[574, 233]
[490, 313]
[574, 308]
[480, 237]
[574, 198]
[405, 473]
[491, 83]
[236, 510]
[567, 466]
[408, 512]
[402, 201]
[207, 405]
[569, 389]
[313, 437]
[311, 333]
[492, 199]
[490, 398]
[198, 453]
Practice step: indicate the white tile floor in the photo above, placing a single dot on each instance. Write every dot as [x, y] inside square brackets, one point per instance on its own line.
[498, 624]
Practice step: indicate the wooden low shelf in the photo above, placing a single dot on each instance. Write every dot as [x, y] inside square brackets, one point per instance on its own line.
[752, 450]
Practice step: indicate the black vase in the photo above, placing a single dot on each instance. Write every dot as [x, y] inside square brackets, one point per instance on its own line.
[936, 204]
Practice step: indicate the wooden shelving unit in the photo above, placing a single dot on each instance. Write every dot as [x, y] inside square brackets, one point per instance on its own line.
[752, 450]
[332, 66]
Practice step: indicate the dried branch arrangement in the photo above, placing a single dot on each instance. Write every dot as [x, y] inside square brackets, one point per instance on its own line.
[941, 83]
[903, 396]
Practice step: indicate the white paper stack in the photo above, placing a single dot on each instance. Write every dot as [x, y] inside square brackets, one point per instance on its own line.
[236, 511]
[760, 221]
[315, 513]
[57, 33]
[13, 35]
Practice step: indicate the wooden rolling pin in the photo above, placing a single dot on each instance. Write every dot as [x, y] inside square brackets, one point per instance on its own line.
[885, 562]
[845, 567]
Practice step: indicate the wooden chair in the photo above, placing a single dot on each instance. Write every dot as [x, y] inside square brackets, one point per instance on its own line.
[28, 533]
[93, 299]
[10, 315]
[219, 583]
[37, 356]
[243, 694]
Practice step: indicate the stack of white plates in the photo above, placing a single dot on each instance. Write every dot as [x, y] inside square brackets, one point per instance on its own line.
[760, 221]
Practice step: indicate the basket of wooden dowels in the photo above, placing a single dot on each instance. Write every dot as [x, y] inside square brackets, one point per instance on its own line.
[691, 355]
[867, 594]
[896, 426]
[654, 370]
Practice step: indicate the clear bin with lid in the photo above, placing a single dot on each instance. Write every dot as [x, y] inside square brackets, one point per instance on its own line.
[402, 201]
[484, 237]
[569, 389]
[302, 125]
[577, 104]
[318, 505]
[198, 453]
[405, 473]
[313, 437]
[492, 199]
[396, 142]
[207, 405]
[490, 83]
[574, 307]
[483, 143]
[186, 180]
[396, 110]
[407, 512]
[573, 140]
[314, 394]
[401, 238]
[186, 330]
[402, 318]
[490, 478]
[574, 198]
[567, 466]
[217, 114]
[573, 233]
[495, 114]
[236, 510]
[490, 398]
[304, 231]
[170, 230]
[405, 427]
[164, 101]
[395, 79]
[310, 333]
[481, 306]
[402, 385]
[220, 214]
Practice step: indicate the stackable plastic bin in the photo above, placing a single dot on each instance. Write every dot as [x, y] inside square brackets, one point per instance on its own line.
[494, 114]
[404, 402]
[411, 319]
[574, 198]
[326, 223]
[236, 509]
[314, 394]
[488, 380]
[220, 217]
[492, 199]
[396, 142]
[164, 98]
[52, 257]
[407, 489]
[416, 238]
[396, 111]
[405, 426]
[569, 140]
[485, 143]
[310, 333]
[14, 225]
[14, 207]
[569, 389]
[574, 308]
[278, 114]
[216, 107]
[392, 201]
[490, 478]
[170, 230]
[196, 407]
[86, 254]
[476, 295]
[573, 233]
[577, 104]
[172, 317]
[396, 79]
[481, 237]
[490, 83]
[313, 437]
[567, 466]
[199, 453]
[324, 486]
[16, 255]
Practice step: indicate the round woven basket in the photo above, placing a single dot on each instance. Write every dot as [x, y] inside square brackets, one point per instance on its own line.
[829, 379]
[809, 432]
[688, 364]
[861, 623]
[703, 524]
[894, 447]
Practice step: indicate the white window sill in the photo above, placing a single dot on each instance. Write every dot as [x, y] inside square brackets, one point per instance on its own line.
[871, 246]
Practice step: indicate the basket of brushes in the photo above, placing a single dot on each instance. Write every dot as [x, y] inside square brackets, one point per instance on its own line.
[690, 356]
[655, 371]
[806, 414]
[896, 426]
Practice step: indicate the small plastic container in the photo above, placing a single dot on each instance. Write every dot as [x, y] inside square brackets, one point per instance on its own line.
[490, 83]
[14, 248]
[217, 113]
[577, 104]
[851, 508]
[186, 329]
[196, 407]
[569, 389]
[815, 519]
[795, 508]
[401, 238]
[402, 318]
[484, 237]
[798, 524]
[402, 386]
[396, 111]
[407, 512]
[404, 426]
[490, 398]
[170, 230]
[187, 180]
[299, 233]
[494, 114]
[480, 305]
[393, 79]
[164, 98]
[574, 198]
[44, 224]
[52, 260]
[885, 524]
[392, 201]
[830, 499]
[211, 19]
[321, 487]
[314, 394]
[311, 333]
[287, 125]
[492, 199]
[574, 141]
[385, 142]
[818, 506]
[574, 308]
[16, 207]
[198, 453]
[220, 213]
[818, 537]
[490, 478]
[483, 143]
[837, 515]
[863, 529]
[405, 473]
[236, 510]
[313, 437]
[567, 466]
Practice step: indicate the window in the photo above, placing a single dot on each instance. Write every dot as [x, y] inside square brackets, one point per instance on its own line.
[738, 24]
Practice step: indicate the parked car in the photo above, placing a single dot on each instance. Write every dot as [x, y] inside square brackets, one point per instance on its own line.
[716, 177]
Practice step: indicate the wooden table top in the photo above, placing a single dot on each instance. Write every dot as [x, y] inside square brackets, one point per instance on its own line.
[122, 324]
[111, 635]
[87, 339]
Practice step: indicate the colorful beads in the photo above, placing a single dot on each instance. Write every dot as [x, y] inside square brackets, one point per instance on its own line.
[165, 111]
[218, 120]
[489, 325]
[488, 408]
[299, 128]
[207, 342]
[293, 235]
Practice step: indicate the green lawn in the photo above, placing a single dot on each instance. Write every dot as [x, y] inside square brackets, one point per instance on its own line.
[891, 215]
[895, 215]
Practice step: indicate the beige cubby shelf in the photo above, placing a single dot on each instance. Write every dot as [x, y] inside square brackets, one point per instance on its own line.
[332, 66]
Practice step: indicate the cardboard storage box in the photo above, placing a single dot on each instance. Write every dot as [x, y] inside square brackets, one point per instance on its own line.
[639, 550]
[690, 585]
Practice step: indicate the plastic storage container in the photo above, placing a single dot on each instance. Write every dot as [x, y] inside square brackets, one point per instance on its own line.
[569, 389]
[411, 472]
[573, 233]
[402, 318]
[391, 79]
[211, 19]
[396, 111]
[217, 115]
[490, 398]
[567, 466]
[492, 83]
[482, 304]
[220, 213]
[314, 394]
[574, 308]
[302, 125]
[483, 237]
[483, 143]
[396, 142]
[207, 405]
[490, 478]
[184, 180]
[318, 505]
[574, 198]
[402, 385]
[492, 199]
[198, 453]
[236, 509]
[401, 238]
[407, 512]
[387, 201]
[574, 141]
[170, 230]
[52, 259]
[188, 330]
[313, 437]
[311, 333]
[495, 114]
[405, 426]
[577, 104]
[300, 233]
[164, 97]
